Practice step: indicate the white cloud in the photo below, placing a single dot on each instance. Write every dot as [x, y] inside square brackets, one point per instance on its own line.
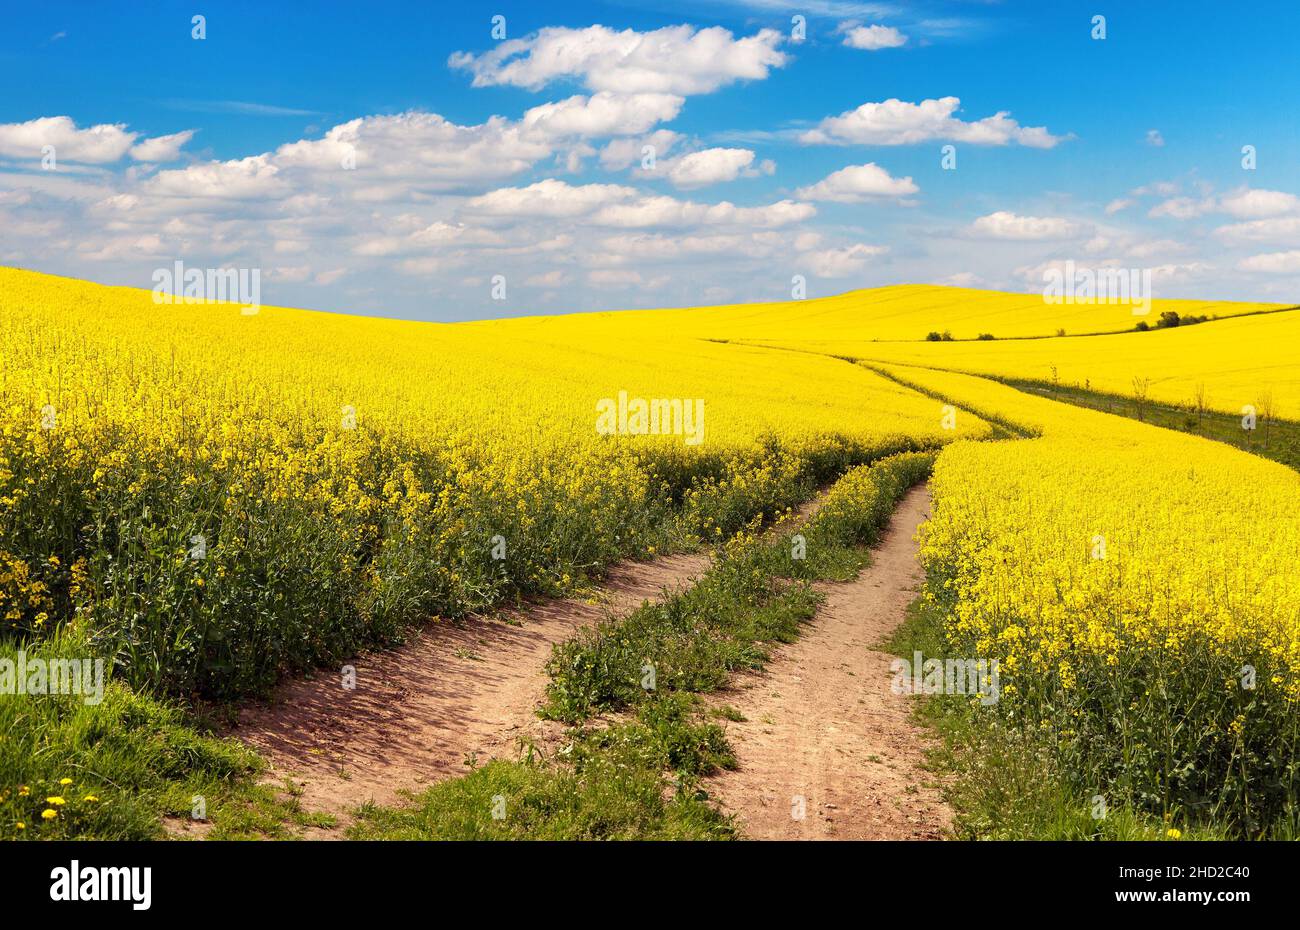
[556, 277]
[603, 114]
[872, 38]
[549, 198]
[1007, 225]
[897, 122]
[656, 247]
[620, 206]
[808, 239]
[433, 236]
[1154, 247]
[710, 166]
[1187, 271]
[243, 179]
[123, 247]
[1117, 205]
[1155, 139]
[1284, 229]
[1272, 263]
[963, 279]
[667, 211]
[95, 145]
[1243, 203]
[841, 262]
[673, 60]
[290, 274]
[613, 278]
[162, 148]
[858, 183]
[1181, 208]
[1158, 189]
[1258, 203]
[622, 153]
[417, 149]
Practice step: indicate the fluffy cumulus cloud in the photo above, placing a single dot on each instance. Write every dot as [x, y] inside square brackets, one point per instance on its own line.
[619, 154]
[242, 179]
[1283, 229]
[94, 145]
[1191, 273]
[859, 183]
[1182, 208]
[161, 148]
[841, 262]
[603, 114]
[418, 149]
[674, 60]
[898, 122]
[549, 198]
[1248, 203]
[621, 206]
[1011, 226]
[593, 194]
[1264, 215]
[392, 157]
[871, 38]
[1287, 263]
[670, 212]
[714, 166]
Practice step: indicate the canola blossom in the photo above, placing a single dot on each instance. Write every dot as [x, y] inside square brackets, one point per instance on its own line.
[1140, 589]
[900, 313]
[219, 497]
[1244, 361]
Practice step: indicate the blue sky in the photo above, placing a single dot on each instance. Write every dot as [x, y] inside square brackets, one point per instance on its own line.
[774, 156]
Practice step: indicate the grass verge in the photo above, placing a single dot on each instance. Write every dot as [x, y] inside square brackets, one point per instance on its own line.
[1004, 783]
[111, 763]
[124, 766]
[1272, 438]
[639, 777]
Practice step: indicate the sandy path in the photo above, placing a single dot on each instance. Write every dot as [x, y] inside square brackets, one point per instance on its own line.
[823, 725]
[455, 691]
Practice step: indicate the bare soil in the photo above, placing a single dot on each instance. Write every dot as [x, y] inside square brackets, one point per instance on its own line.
[454, 693]
[822, 724]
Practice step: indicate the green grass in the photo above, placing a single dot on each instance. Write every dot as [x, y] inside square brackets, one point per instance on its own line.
[134, 760]
[640, 777]
[137, 758]
[637, 779]
[144, 759]
[1005, 784]
[757, 594]
[1274, 438]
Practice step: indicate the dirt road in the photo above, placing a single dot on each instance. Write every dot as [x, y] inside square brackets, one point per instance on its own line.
[827, 750]
[454, 692]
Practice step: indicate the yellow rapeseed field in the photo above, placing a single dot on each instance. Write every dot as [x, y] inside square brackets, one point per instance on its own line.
[218, 497]
[226, 495]
[1141, 591]
[1251, 360]
[904, 312]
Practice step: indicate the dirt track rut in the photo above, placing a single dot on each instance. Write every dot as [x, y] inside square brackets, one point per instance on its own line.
[823, 725]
